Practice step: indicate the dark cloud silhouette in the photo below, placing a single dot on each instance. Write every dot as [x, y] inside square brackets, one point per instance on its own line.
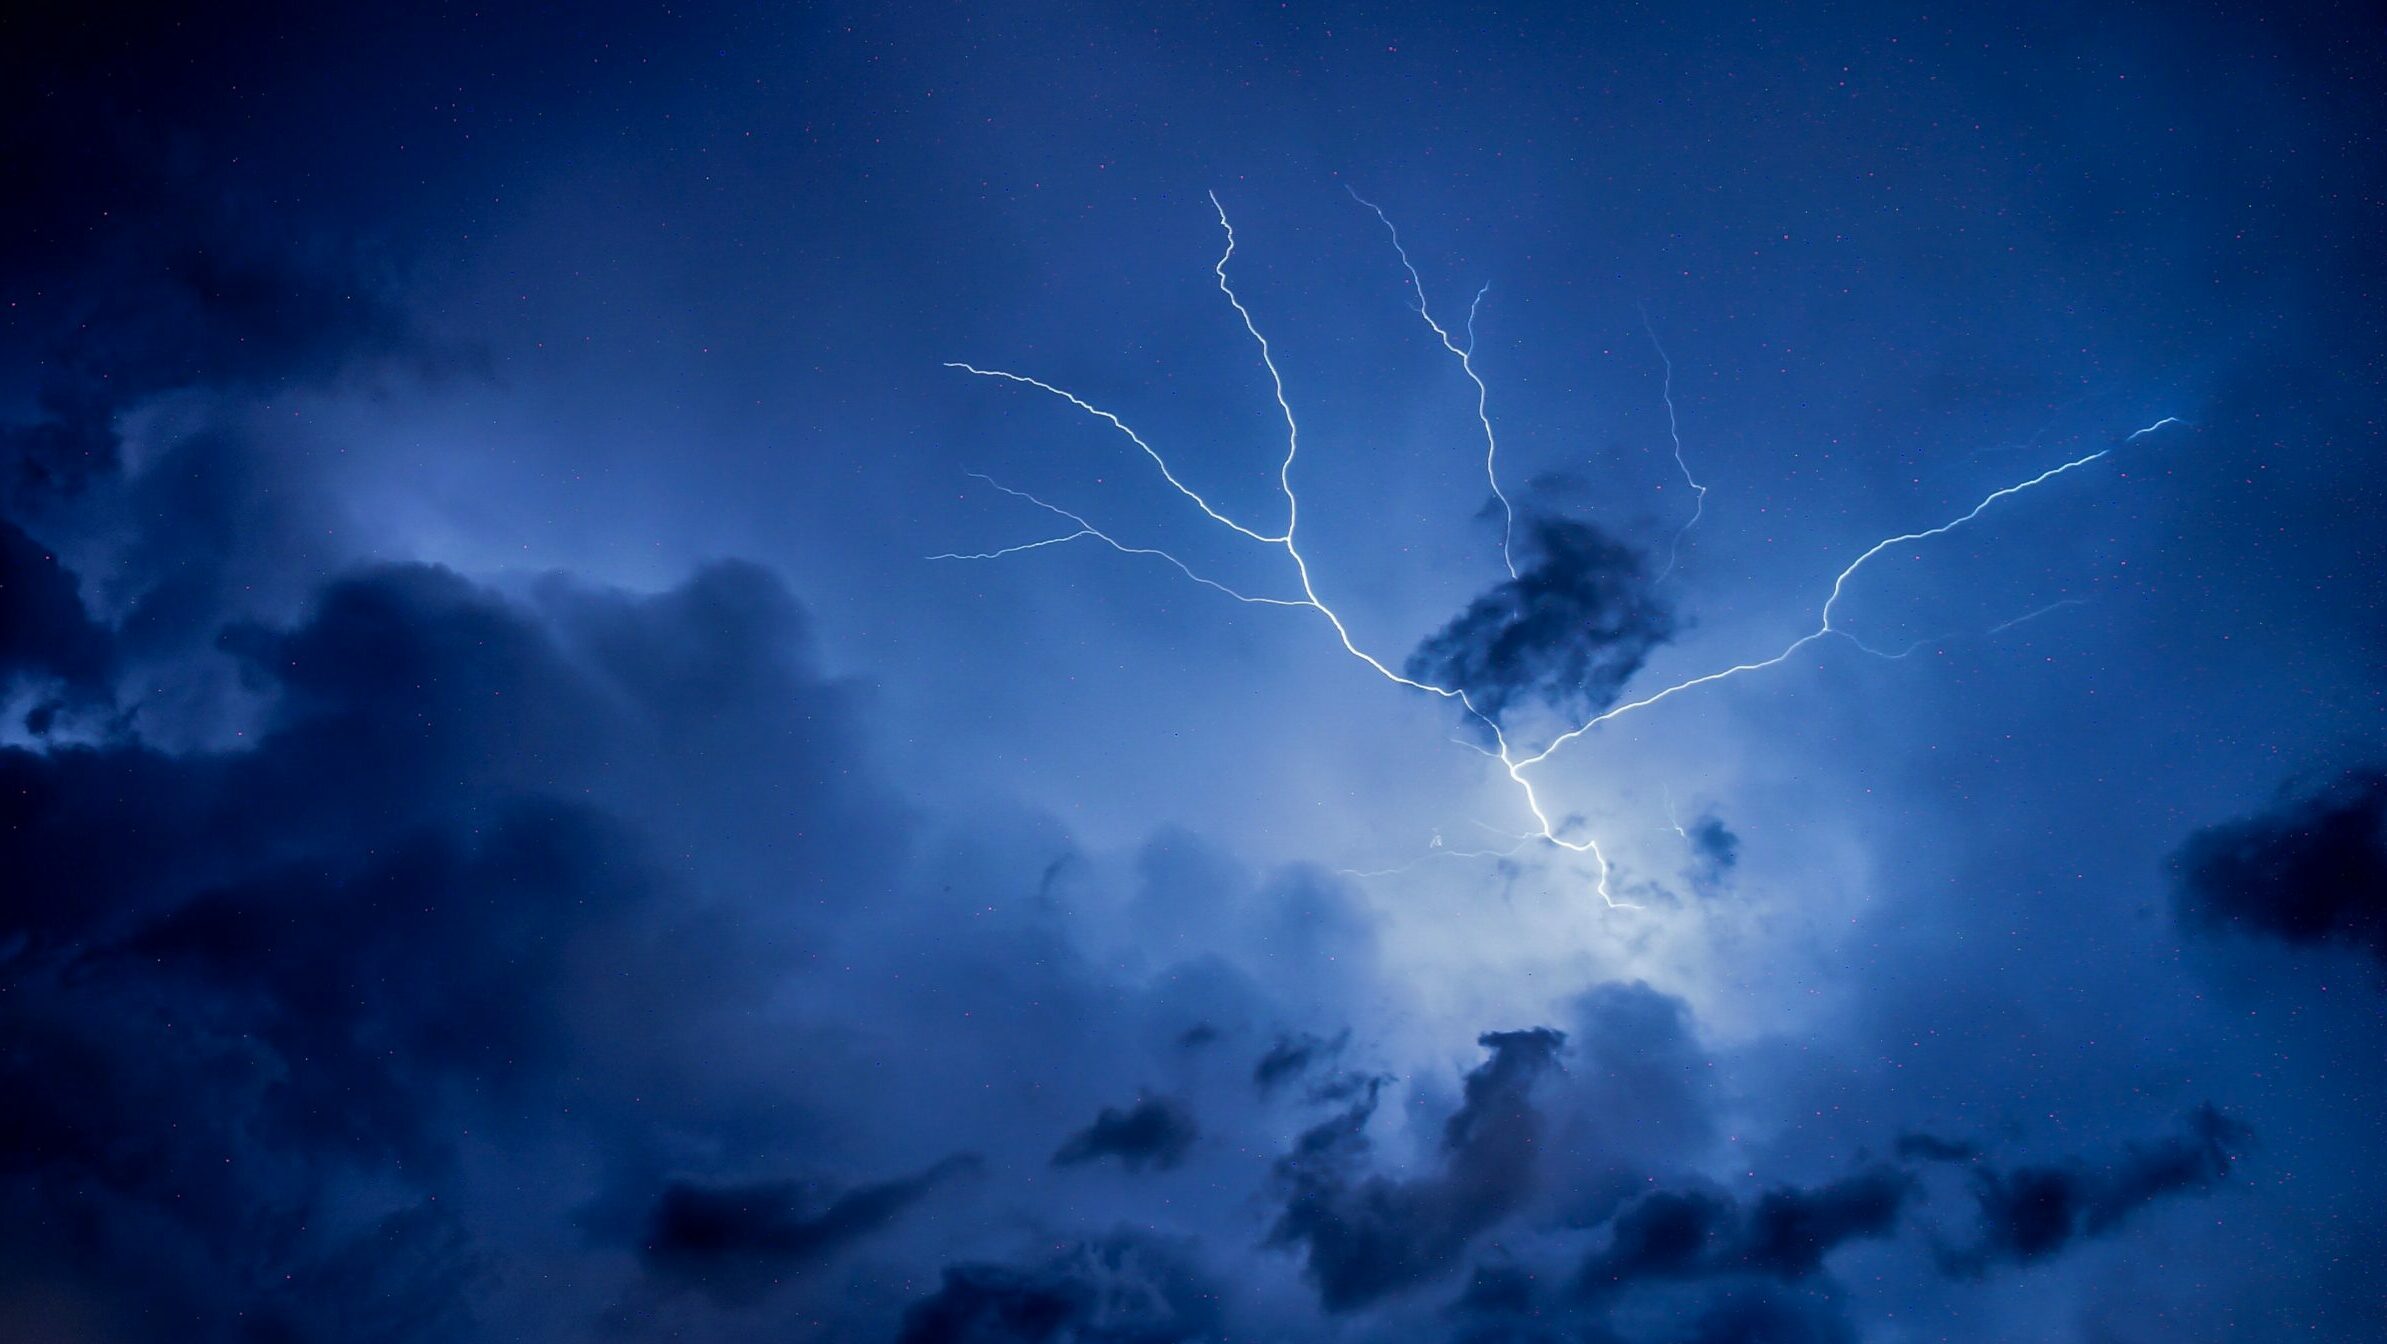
[159, 309]
[1789, 1230]
[1698, 1263]
[401, 910]
[1569, 631]
[1126, 1288]
[45, 630]
[1368, 1236]
[1667, 1234]
[736, 1242]
[139, 266]
[1154, 1132]
[1293, 1056]
[195, 304]
[1784, 1234]
[1691, 1301]
[2310, 870]
[2035, 1211]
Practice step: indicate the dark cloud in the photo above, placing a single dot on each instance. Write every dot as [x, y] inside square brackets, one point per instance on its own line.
[45, 630]
[1154, 1132]
[168, 315]
[403, 910]
[1789, 1230]
[1368, 1236]
[203, 306]
[2310, 870]
[1126, 1288]
[1667, 1234]
[1293, 1056]
[736, 1242]
[1715, 851]
[1640, 1095]
[1569, 631]
[1693, 1262]
[1784, 1234]
[2036, 1211]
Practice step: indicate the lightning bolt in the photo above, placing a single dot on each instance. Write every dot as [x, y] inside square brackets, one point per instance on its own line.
[1674, 433]
[1513, 763]
[1483, 394]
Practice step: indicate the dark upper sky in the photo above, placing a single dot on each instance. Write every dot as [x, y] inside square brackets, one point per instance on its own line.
[506, 831]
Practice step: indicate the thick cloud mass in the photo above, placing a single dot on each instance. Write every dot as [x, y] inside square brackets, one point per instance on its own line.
[2033, 1211]
[2311, 870]
[1785, 1234]
[1118, 1289]
[44, 631]
[504, 838]
[1292, 1057]
[1366, 1235]
[1155, 1131]
[1568, 632]
[736, 1241]
[400, 917]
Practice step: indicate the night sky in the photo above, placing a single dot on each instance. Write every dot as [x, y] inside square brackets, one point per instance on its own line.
[568, 772]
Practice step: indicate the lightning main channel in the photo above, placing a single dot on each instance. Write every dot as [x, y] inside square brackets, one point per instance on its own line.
[1513, 764]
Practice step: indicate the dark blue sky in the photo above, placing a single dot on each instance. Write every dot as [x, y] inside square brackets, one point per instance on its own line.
[507, 833]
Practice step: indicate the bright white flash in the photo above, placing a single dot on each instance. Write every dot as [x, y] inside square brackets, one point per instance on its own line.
[1515, 764]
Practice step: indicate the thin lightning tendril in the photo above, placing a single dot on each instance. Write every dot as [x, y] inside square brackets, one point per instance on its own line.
[1086, 529]
[1674, 433]
[1483, 394]
[1511, 762]
[2000, 628]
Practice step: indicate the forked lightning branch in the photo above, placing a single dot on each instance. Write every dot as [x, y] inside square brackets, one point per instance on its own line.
[1517, 764]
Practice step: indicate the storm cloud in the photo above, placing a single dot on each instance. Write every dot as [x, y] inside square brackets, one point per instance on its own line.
[1568, 632]
[504, 837]
[2033, 1211]
[737, 1241]
[1155, 1132]
[1364, 1235]
[1121, 1288]
[2310, 870]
